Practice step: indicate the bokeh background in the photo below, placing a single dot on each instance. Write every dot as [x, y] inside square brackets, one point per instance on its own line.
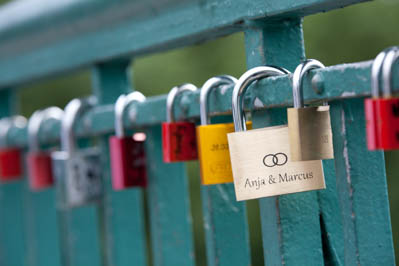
[352, 34]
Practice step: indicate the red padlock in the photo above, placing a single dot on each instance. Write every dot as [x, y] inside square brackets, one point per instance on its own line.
[179, 141]
[39, 162]
[382, 114]
[128, 161]
[10, 157]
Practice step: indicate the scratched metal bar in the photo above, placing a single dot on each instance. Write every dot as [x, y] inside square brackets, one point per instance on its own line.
[109, 29]
[41, 228]
[334, 82]
[12, 204]
[355, 208]
[282, 242]
[169, 206]
[225, 223]
[122, 213]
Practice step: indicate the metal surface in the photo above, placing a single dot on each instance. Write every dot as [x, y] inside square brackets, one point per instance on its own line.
[36, 121]
[120, 107]
[111, 29]
[297, 78]
[174, 92]
[392, 56]
[208, 86]
[241, 87]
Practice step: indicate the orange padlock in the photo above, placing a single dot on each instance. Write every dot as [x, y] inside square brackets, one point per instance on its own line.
[179, 142]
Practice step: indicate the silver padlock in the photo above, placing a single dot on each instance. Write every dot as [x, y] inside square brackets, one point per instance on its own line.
[77, 171]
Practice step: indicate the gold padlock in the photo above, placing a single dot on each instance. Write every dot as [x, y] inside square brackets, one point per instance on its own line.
[309, 127]
[213, 149]
[260, 158]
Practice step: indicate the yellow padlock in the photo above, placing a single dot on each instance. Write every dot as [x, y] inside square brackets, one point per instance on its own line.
[213, 148]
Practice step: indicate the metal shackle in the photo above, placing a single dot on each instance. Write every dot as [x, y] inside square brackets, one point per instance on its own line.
[37, 120]
[73, 110]
[171, 98]
[7, 123]
[392, 56]
[120, 107]
[210, 84]
[297, 78]
[376, 69]
[241, 87]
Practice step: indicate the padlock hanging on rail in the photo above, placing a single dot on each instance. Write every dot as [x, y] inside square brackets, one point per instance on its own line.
[260, 158]
[77, 172]
[179, 142]
[128, 160]
[40, 170]
[11, 167]
[382, 114]
[309, 127]
[213, 148]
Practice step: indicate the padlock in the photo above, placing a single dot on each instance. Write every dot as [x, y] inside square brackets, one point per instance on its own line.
[387, 108]
[213, 148]
[11, 167]
[260, 158]
[77, 172]
[382, 114]
[128, 161]
[373, 138]
[39, 161]
[179, 142]
[309, 127]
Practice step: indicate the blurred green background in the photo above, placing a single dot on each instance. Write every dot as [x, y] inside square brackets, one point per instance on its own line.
[351, 34]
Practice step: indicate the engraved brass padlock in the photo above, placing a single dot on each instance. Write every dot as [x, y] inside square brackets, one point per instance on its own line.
[11, 167]
[179, 142]
[260, 158]
[128, 161]
[40, 170]
[213, 148]
[77, 171]
[309, 127]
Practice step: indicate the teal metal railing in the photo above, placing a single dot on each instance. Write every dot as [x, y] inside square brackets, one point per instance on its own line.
[346, 224]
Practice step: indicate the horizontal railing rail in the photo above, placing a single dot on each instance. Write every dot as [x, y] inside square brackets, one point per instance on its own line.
[335, 82]
[45, 38]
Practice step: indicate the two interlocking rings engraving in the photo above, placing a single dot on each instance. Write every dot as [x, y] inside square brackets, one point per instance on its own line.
[277, 159]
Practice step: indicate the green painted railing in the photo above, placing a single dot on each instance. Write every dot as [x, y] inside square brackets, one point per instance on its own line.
[346, 224]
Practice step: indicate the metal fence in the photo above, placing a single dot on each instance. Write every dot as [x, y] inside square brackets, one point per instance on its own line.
[346, 224]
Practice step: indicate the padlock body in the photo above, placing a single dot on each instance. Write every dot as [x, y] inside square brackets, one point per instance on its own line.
[373, 138]
[179, 142]
[78, 177]
[213, 153]
[128, 163]
[310, 134]
[388, 123]
[262, 165]
[40, 170]
[10, 164]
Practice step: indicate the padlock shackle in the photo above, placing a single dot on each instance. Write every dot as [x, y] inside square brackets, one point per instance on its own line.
[171, 98]
[73, 110]
[210, 84]
[7, 123]
[37, 120]
[389, 61]
[120, 106]
[297, 78]
[241, 87]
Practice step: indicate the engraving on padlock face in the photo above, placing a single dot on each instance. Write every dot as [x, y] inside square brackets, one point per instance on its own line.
[395, 109]
[84, 180]
[179, 135]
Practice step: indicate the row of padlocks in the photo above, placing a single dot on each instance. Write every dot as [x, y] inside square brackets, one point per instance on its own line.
[261, 162]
